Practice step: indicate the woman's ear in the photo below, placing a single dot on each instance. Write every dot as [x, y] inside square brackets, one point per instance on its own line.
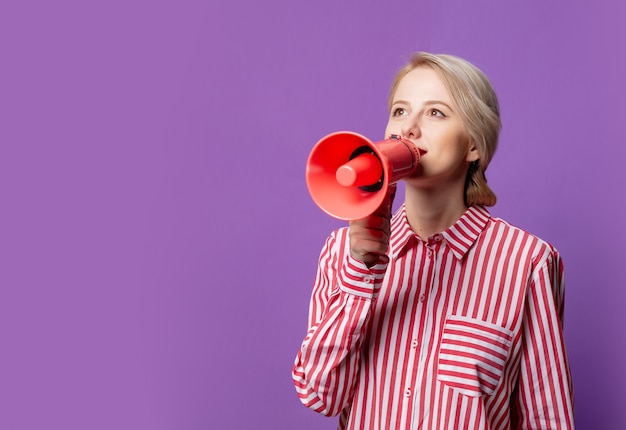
[472, 153]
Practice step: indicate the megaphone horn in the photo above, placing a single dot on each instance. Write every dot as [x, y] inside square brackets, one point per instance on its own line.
[348, 175]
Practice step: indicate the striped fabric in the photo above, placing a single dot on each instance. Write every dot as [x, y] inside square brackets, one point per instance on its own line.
[462, 331]
[472, 355]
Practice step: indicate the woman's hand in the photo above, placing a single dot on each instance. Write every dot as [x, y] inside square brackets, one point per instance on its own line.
[369, 237]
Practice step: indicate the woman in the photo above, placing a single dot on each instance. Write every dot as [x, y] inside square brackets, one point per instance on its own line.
[440, 316]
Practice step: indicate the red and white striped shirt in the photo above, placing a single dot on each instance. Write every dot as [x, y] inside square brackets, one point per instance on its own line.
[462, 331]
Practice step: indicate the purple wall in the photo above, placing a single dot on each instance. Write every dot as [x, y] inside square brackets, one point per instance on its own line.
[158, 243]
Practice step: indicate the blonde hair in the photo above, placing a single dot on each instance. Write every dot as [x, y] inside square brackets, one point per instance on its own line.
[478, 106]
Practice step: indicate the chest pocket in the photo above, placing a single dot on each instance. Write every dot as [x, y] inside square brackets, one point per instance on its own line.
[472, 355]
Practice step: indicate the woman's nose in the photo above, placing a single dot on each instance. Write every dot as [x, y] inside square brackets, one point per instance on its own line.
[410, 128]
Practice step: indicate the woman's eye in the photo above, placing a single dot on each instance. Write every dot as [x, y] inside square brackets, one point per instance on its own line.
[435, 112]
[398, 112]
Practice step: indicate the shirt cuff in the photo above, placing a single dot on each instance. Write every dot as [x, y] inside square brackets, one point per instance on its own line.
[360, 280]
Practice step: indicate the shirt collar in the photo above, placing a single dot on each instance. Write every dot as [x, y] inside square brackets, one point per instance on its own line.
[459, 237]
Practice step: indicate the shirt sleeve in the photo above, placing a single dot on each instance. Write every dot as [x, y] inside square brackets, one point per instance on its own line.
[327, 365]
[545, 392]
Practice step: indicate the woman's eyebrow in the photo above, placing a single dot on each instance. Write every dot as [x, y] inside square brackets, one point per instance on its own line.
[426, 103]
[437, 102]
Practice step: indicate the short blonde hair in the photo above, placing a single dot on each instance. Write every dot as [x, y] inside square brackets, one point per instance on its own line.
[476, 99]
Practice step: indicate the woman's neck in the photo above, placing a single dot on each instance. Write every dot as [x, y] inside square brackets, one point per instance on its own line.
[431, 211]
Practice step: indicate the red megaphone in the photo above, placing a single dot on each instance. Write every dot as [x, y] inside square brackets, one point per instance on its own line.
[348, 175]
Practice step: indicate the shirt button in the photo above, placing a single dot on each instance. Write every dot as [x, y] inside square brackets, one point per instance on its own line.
[422, 297]
[437, 238]
[414, 343]
[430, 252]
[369, 279]
[407, 392]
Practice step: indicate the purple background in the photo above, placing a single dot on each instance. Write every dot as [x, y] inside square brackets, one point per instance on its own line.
[158, 243]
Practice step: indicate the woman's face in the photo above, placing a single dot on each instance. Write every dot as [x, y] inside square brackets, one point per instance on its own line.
[423, 112]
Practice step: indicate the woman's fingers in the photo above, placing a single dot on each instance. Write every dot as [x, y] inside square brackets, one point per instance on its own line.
[369, 237]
